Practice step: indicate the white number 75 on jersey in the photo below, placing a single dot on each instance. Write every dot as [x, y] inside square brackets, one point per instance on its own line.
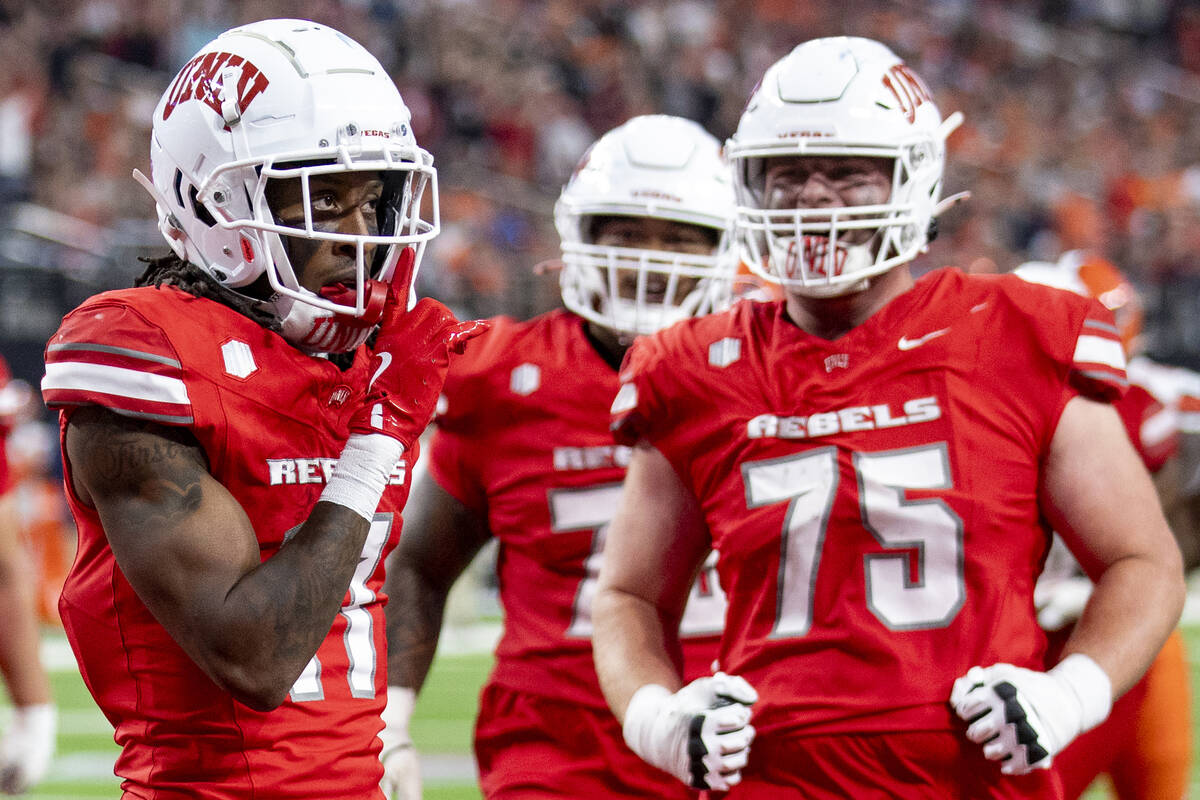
[928, 528]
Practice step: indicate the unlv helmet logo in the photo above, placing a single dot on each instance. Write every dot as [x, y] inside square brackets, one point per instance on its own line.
[195, 82]
[908, 89]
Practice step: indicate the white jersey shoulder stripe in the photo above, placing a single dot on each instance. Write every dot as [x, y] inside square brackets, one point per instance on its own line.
[1099, 350]
[131, 383]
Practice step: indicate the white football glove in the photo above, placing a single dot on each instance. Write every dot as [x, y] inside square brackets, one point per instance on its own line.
[401, 767]
[1025, 718]
[701, 734]
[28, 747]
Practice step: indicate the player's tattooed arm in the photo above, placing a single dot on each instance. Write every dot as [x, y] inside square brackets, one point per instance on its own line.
[190, 552]
[441, 536]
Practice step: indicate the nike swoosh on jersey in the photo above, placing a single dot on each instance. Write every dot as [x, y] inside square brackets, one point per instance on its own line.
[908, 344]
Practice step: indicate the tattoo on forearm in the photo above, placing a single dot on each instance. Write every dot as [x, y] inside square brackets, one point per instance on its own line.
[301, 593]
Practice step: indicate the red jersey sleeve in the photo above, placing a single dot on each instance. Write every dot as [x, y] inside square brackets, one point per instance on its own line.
[638, 405]
[1150, 426]
[1098, 360]
[450, 463]
[107, 354]
[1065, 346]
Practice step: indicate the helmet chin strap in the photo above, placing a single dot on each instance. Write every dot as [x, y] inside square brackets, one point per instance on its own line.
[317, 330]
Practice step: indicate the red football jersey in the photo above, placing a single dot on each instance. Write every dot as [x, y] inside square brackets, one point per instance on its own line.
[873, 498]
[272, 422]
[524, 440]
[1176, 392]
[1148, 423]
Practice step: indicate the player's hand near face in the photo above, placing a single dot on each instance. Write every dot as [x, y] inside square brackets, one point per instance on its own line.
[411, 356]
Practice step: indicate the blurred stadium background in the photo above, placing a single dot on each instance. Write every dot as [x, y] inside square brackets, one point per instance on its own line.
[1082, 130]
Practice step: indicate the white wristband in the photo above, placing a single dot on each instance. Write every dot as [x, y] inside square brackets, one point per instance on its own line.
[399, 709]
[362, 472]
[1091, 686]
[640, 716]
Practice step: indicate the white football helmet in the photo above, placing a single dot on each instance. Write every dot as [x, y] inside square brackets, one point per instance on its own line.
[282, 99]
[651, 166]
[838, 97]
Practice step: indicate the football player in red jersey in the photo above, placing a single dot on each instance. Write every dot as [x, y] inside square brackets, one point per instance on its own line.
[522, 453]
[28, 744]
[1145, 745]
[236, 457]
[879, 460]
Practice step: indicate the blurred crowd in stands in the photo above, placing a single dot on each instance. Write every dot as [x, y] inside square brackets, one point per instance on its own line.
[1082, 119]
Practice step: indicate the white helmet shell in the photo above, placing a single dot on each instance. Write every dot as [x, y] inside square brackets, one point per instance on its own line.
[838, 97]
[282, 99]
[653, 166]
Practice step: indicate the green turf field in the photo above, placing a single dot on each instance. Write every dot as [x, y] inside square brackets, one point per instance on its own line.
[441, 727]
[442, 724]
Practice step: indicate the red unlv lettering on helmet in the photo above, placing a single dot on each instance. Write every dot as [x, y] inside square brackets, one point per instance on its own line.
[908, 89]
[195, 82]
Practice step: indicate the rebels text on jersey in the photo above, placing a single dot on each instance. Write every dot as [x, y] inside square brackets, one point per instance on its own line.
[271, 421]
[874, 498]
[523, 440]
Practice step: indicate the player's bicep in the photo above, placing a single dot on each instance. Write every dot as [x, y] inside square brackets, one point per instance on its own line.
[658, 537]
[177, 534]
[1097, 493]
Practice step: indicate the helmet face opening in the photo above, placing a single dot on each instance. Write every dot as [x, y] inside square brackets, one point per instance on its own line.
[645, 273]
[645, 227]
[394, 190]
[838, 101]
[289, 103]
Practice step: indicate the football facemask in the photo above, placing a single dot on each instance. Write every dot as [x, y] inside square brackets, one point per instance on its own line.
[289, 100]
[840, 97]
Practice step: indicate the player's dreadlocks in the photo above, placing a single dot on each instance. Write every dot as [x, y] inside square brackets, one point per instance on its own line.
[174, 271]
